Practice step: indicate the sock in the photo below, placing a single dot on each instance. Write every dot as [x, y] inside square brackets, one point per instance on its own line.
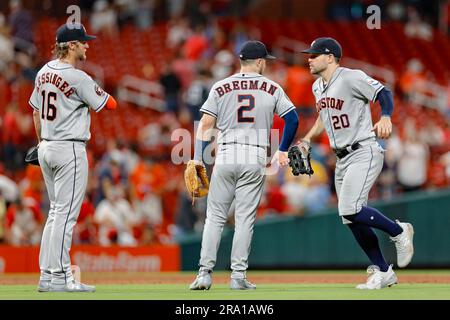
[368, 241]
[374, 218]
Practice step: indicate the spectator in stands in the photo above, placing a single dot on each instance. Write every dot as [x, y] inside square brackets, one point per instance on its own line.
[145, 192]
[172, 88]
[308, 195]
[179, 32]
[431, 134]
[413, 80]
[273, 200]
[6, 46]
[21, 25]
[16, 125]
[413, 161]
[23, 223]
[9, 190]
[32, 185]
[298, 85]
[188, 218]
[85, 231]
[415, 27]
[104, 18]
[294, 190]
[143, 18]
[116, 219]
[223, 65]
[197, 93]
[127, 11]
[196, 45]
[387, 181]
[175, 8]
[110, 175]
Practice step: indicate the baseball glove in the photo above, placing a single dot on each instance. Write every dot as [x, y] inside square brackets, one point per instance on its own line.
[32, 156]
[196, 179]
[300, 159]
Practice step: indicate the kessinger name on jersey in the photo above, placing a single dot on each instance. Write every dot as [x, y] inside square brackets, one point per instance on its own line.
[57, 81]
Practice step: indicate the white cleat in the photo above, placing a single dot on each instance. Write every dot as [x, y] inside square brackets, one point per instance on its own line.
[241, 284]
[203, 281]
[43, 286]
[404, 244]
[378, 279]
[71, 287]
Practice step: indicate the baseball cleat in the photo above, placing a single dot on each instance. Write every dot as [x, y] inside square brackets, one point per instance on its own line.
[71, 287]
[203, 281]
[43, 286]
[404, 244]
[378, 279]
[241, 284]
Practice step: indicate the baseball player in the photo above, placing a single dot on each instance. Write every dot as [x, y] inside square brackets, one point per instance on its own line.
[242, 107]
[343, 102]
[62, 99]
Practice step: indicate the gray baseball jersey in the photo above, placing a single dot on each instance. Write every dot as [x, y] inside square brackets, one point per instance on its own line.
[344, 105]
[244, 105]
[344, 108]
[63, 95]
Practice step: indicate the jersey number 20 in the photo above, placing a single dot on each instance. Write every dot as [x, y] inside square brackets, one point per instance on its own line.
[340, 122]
[248, 107]
[48, 100]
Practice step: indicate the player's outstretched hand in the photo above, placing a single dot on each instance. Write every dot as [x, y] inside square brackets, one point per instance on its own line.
[281, 158]
[383, 128]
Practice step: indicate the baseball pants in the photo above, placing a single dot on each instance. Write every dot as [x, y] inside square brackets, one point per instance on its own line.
[354, 177]
[237, 175]
[65, 169]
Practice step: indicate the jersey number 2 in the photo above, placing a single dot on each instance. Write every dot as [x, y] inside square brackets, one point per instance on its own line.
[340, 122]
[51, 108]
[248, 107]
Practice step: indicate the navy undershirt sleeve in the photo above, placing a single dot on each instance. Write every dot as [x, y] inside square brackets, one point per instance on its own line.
[386, 101]
[290, 129]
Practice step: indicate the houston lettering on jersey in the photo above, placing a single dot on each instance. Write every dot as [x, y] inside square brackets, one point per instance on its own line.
[57, 81]
[246, 85]
[329, 102]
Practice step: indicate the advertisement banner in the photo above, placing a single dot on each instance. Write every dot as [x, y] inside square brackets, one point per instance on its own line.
[98, 259]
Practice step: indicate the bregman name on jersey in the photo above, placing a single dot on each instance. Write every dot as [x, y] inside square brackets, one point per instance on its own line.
[57, 81]
[245, 85]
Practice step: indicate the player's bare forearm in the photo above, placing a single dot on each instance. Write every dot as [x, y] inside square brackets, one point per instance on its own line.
[205, 126]
[315, 131]
[37, 124]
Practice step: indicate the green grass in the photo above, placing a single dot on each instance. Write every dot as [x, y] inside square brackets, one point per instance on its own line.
[426, 289]
[222, 292]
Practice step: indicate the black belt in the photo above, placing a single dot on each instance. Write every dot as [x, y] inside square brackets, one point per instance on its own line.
[343, 152]
[246, 144]
[72, 140]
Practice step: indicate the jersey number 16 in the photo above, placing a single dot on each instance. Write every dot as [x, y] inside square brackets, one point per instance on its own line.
[51, 108]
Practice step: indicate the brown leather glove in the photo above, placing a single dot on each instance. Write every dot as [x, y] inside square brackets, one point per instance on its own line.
[196, 179]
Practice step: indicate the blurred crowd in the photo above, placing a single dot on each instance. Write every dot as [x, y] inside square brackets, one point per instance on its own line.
[136, 194]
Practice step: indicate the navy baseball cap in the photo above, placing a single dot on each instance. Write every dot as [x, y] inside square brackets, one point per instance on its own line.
[72, 32]
[254, 50]
[325, 46]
